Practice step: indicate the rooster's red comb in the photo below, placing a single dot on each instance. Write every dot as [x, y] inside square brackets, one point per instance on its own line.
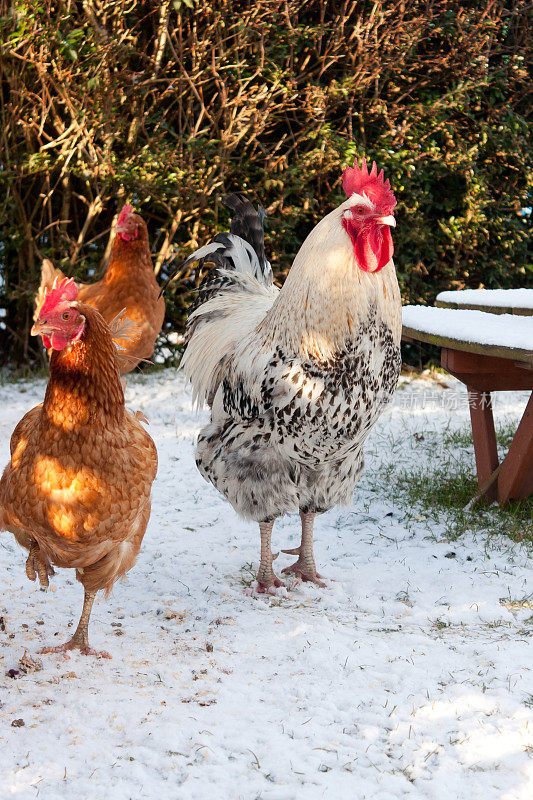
[355, 179]
[66, 291]
[124, 214]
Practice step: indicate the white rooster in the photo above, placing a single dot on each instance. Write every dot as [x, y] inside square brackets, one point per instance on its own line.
[296, 377]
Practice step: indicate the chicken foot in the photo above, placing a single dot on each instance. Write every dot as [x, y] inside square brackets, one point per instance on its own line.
[266, 578]
[35, 566]
[305, 568]
[80, 639]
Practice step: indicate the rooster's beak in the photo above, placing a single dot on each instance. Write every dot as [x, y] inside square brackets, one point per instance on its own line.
[387, 221]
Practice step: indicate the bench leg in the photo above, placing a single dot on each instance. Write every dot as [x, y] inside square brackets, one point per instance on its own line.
[515, 480]
[484, 436]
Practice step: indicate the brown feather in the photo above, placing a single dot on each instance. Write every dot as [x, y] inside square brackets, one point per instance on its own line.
[129, 285]
[81, 467]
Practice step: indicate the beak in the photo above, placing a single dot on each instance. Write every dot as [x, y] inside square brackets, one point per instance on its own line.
[38, 328]
[125, 226]
[387, 220]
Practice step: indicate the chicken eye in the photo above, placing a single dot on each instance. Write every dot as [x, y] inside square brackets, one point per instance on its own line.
[360, 210]
[66, 315]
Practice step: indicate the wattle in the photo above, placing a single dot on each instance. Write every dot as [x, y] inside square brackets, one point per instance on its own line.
[373, 247]
[56, 341]
[128, 237]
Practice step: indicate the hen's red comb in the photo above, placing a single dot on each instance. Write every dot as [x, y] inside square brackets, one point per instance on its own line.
[355, 179]
[124, 214]
[64, 292]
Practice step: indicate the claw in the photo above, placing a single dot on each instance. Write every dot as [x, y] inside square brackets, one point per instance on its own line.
[35, 566]
[266, 586]
[304, 568]
[304, 572]
[30, 569]
[73, 644]
[80, 638]
[266, 579]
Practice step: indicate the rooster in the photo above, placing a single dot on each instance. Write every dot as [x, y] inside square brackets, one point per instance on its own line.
[296, 377]
[128, 290]
[76, 492]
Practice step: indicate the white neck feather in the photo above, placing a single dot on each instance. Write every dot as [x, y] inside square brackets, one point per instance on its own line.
[327, 296]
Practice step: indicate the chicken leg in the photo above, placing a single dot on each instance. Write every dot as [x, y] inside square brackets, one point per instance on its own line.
[266, 578]
[305, 568]
[35, 566]
[80, 639]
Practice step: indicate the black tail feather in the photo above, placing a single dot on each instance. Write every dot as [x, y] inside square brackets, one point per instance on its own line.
[247, 224]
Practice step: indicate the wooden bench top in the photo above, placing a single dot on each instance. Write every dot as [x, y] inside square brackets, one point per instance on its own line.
[495, 301]
[503, 336]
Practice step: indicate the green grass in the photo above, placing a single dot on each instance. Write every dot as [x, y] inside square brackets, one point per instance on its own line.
[439, 490]
[462, 437]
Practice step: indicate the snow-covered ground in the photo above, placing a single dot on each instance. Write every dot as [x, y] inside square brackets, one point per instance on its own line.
[410, 676]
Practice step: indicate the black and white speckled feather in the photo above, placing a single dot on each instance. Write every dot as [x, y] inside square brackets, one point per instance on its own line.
[287, 432]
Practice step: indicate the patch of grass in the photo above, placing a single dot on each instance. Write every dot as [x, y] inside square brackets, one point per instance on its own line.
[462, 437]
[441, 487]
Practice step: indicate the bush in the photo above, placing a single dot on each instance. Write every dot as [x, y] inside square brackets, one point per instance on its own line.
[171, 105]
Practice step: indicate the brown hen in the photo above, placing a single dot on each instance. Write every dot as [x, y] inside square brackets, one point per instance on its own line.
[77, 490]
[128, 286]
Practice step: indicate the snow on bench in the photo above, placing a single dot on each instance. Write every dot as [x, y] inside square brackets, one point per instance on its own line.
[512, 301]
[502, 335]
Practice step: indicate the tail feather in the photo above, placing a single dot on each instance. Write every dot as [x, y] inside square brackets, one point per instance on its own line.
[118, 561]
[240, 250]
[248, 224]
[232, 299]
[235, 264]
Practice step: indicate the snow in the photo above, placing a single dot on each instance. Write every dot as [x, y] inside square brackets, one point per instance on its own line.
[495, 298]
[409, 677]
[480, 327]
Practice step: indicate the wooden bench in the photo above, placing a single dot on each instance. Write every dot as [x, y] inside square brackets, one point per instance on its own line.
[487, 353]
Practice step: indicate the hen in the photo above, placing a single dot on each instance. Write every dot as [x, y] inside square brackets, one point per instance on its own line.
[77, 490]
[296, 377]
[128, 286]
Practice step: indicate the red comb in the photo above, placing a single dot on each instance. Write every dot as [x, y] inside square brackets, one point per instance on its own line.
[124, 214]
[64, 292]
[355, 179]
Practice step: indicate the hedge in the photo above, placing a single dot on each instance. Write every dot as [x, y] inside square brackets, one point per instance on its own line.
[171, 105]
